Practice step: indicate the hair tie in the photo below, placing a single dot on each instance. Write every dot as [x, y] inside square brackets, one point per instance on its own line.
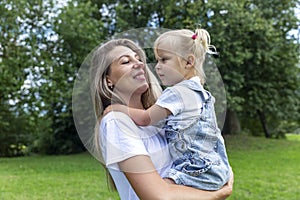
[194, 36]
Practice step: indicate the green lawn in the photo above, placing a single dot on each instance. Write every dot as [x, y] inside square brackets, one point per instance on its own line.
[73, 177]
[264, 170]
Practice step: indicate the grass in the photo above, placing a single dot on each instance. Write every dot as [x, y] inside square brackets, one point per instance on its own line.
[72, 177]
[264, 169]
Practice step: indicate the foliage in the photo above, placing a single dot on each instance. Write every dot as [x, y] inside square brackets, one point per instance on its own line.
[15, 141]
[43, 43]
[17, 60]
[76, 35]
[258, 59]
[50, 44]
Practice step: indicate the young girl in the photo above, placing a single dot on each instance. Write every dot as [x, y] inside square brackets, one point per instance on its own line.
[195, 142]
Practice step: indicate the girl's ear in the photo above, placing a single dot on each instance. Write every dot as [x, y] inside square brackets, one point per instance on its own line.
[190, 61]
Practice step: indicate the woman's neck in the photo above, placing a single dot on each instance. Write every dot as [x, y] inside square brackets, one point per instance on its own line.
[136, 102]
[133, 101]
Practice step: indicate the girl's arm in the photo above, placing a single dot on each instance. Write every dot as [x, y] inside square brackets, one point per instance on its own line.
[147, 183]
[139, 116]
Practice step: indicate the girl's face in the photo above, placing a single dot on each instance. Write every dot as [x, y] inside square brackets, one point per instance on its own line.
[169, 67]
[127, 72]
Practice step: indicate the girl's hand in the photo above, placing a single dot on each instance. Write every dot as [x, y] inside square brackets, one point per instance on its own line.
[114, 107]
[107, 109]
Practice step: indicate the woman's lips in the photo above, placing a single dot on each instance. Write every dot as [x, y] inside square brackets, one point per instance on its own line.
[140, 76]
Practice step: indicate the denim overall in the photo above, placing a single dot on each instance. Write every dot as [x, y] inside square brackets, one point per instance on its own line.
[198, 150]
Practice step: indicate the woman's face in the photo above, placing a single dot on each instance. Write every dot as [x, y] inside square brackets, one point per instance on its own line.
[127, 72]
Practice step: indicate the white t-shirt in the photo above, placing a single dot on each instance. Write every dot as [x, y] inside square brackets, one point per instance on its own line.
[121, 139]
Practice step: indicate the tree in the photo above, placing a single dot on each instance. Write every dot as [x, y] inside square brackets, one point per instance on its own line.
[77, 34]
[271, 79]
[256, 57]
[252, 40]
[16, 122]
[43, 43]
[40, 53]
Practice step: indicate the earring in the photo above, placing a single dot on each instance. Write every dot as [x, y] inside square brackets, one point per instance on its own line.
[111, 86]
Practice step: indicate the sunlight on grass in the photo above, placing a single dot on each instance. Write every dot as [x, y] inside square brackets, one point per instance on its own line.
[294, 137]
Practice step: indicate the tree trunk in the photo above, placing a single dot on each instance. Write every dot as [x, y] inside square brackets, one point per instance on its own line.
[232, 123]
[263, 121]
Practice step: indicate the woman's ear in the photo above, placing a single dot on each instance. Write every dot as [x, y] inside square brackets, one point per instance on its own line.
[109, 82]
[190, 61]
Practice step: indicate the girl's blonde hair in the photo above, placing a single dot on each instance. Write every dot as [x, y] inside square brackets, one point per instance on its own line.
[184, 42]
[102, 95]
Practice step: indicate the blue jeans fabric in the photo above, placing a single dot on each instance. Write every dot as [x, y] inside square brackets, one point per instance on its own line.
[198, 151]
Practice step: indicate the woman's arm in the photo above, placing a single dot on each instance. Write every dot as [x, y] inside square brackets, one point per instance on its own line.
[147, 183]
[139, 116]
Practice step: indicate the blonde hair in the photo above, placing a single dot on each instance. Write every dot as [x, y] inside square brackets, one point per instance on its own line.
[184, 42]
[102, 95]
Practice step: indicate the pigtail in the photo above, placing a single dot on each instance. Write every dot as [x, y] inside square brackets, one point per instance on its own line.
[202, 37]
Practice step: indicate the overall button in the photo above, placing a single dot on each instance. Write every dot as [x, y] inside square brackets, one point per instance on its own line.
[181, 145]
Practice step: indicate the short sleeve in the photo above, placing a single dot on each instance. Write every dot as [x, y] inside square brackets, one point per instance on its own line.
[119, 139]
[171, 100]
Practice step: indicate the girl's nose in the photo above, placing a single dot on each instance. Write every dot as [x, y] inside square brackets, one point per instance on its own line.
[157, 66]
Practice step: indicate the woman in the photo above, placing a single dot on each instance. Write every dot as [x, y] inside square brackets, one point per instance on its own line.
[136, 159]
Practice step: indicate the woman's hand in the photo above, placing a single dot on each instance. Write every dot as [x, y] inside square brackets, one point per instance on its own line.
[147, 183]
[226, 190]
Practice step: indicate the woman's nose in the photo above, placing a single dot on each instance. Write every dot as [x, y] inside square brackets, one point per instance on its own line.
[138, 64]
